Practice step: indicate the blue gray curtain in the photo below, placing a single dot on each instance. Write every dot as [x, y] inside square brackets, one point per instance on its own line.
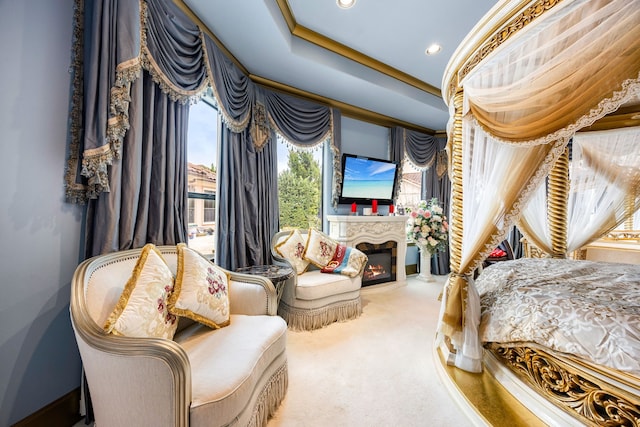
[247, 200]
[132, 130]
[436, 183]
[248, 212]
[148, 198]
[137, 67]
[426, 152]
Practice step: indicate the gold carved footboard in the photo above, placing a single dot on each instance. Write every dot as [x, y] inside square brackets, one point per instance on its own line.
[586, 392]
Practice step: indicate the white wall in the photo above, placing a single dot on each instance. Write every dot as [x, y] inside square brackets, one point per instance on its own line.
[40, 233]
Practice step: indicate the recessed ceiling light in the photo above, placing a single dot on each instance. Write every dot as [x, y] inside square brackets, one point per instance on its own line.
[433, 49]
[346, 4]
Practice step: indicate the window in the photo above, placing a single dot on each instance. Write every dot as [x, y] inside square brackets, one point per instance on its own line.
[192, 212]
[202, 175]
[299, 187]
[209, 208]
[410, 185]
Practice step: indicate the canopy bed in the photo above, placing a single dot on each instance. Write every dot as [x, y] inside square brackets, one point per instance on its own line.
[544, 133]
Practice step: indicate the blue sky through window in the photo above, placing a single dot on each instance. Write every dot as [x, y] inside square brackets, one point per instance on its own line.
[202, 146]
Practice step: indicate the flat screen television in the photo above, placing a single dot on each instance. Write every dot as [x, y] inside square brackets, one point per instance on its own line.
[365, 179]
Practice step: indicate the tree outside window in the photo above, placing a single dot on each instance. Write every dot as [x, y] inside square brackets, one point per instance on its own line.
[300, 190]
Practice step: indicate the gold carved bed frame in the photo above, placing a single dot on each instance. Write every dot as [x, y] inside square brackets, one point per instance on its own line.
[594, 395]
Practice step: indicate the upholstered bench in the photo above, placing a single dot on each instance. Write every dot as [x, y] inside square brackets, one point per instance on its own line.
[211, 361]
[311, 298]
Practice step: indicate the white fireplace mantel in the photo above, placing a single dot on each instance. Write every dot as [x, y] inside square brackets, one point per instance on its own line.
[351, 230]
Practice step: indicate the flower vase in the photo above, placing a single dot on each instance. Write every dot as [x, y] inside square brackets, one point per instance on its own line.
[425, 266]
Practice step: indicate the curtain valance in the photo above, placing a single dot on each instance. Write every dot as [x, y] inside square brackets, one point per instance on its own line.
[122, 37]
[173, 51]
[232, 89]
[422, 150]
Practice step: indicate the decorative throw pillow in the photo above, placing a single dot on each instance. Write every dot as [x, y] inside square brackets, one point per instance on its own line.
[319, 248]
[142, 309]
[346, 260]
[201, 291]
[292, 249]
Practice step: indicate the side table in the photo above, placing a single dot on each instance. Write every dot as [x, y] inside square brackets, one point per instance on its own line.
[278, 274]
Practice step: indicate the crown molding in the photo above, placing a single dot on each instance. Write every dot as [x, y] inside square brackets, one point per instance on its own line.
[348, 110]
[311, 36]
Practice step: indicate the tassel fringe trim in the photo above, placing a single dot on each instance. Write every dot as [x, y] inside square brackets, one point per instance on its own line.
[307, 320]
[270, 397]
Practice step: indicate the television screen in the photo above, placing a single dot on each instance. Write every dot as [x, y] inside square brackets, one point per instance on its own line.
[366, 179]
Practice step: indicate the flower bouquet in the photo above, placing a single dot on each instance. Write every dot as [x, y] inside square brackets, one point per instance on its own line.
[427, 227]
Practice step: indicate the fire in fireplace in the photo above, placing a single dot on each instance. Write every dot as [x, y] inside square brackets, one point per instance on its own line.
[380, 267]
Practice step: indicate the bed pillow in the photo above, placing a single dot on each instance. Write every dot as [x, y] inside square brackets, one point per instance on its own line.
[292, 249]
[201, 291]
[319, 249]
[142, 309]
[346, 260]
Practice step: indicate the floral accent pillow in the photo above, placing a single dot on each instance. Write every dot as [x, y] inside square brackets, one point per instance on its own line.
[346, 260]
[201, 291]
[142, 309]
[292, 249]
[319, 249]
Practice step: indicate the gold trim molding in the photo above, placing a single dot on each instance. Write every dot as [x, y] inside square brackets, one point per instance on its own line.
[348, 110]
[338, 48]
[587, 397]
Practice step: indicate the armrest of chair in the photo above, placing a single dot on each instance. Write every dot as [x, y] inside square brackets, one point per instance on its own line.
[137, 383]
[252, 295]
[133, 381]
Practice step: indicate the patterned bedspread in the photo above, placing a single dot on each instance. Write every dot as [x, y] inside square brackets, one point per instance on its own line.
[584, 308]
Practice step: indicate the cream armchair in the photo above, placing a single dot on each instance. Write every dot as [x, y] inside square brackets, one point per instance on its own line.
[311, 299]
[236, 375]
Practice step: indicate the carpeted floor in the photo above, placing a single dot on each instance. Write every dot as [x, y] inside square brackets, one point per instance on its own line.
[374, 371]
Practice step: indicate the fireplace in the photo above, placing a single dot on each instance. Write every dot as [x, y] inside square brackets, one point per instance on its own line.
[382, 238]
[381, 265]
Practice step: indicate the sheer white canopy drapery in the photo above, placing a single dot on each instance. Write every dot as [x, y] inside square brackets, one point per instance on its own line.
[604, 174]
[551, 69]
[498, 178]
[575, 64]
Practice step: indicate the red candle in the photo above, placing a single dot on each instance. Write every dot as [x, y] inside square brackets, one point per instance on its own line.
[374, 206]
[390, 209]
[353, 207]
